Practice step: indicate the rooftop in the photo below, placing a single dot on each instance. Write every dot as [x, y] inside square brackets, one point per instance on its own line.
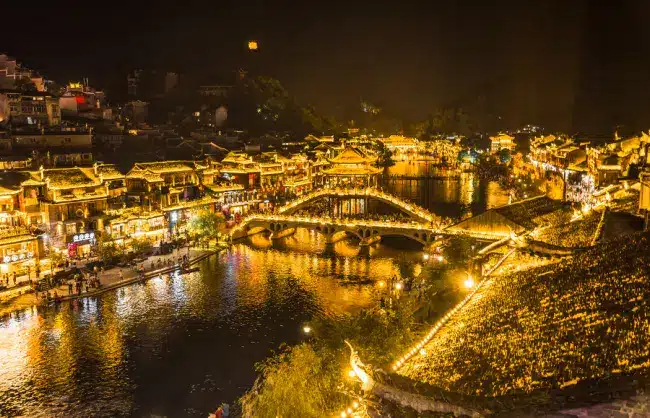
[351, 155]
[161, 167]
[65, 178]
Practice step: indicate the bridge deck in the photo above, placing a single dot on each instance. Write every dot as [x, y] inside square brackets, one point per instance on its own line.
[370, 192]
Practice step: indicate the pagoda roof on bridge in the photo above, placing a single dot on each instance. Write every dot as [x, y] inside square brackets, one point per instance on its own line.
[351, 155]
[351, 162]
[351, 171]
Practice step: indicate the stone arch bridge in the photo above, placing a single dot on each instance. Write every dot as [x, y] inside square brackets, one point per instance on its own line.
[368, 232]
[370, 193]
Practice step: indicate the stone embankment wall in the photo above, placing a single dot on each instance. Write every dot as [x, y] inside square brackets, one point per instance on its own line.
[635, 407]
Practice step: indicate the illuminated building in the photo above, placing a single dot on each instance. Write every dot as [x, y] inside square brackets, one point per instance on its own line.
[172, 187]
[352, 167]
[502, 141]
[644, 198]
[77, 138]
[35, 108]
[72, 201]
[18, 246]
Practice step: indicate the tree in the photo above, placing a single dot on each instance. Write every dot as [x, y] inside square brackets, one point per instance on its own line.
[458, 250]
[56, 259]
[107, 250]
[385, 155]
[299, 382]
[141, 245]
[206, 224]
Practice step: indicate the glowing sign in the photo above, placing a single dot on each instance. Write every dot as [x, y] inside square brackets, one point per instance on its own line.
[83, 237]
[17, 257]
[73, 85]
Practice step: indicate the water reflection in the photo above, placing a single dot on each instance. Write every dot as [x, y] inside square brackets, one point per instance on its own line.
[451, 196]
[179, 345]
[175, 345]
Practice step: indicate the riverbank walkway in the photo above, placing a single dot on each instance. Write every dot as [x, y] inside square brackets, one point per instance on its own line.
[112, 279]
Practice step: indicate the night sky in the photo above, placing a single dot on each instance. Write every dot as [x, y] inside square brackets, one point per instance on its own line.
[572, 65]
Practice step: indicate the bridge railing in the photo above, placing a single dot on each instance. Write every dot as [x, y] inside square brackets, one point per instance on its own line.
[368, 191]
[350, 223]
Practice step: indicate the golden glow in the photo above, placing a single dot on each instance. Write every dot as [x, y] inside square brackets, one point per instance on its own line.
[469, 282]
[306, 329]
[252, 45]
[351, 373]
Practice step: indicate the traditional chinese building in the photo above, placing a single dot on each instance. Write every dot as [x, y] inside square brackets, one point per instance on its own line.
[19, 246]
[352, 167]
[72, 201]
[502, 141]
[239, 168]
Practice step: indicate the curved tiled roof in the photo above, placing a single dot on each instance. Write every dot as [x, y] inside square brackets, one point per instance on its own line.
[351, 155]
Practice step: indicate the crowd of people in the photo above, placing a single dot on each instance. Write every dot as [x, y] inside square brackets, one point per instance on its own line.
[585, 317]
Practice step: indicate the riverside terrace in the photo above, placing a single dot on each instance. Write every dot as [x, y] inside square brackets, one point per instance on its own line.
[558, 336]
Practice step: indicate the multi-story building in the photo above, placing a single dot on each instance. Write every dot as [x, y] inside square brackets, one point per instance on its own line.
[19, 246]
[172, 187]
[239, 168]
[502, 141]
[72, 202]
[71, 138]
[12, 71]
[32, 108]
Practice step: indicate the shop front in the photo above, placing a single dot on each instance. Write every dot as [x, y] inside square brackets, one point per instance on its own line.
[178, 216]
[81, 244]
[18, 254]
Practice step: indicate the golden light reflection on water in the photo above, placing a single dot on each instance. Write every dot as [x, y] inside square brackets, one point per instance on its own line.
[100, 354]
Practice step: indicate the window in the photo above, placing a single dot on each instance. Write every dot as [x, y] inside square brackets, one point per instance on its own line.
[71, 229]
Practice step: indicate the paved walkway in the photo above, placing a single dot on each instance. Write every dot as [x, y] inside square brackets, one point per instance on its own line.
[111, 279]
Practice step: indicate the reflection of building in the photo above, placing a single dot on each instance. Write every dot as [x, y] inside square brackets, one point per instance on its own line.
[352, 168]
[502, 141]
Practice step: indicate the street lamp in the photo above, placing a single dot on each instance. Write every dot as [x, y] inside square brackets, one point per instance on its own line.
[252, 45]
[469, 282]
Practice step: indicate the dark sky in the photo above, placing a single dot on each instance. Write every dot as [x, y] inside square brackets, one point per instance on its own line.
[568, 65]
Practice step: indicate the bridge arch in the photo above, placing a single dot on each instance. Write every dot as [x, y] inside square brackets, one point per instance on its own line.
[412, 237]
[408, 208]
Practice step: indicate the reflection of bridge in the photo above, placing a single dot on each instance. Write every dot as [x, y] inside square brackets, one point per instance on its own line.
[368, 232]
[411, 209]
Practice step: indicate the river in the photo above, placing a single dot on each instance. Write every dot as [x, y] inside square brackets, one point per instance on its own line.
[179, 346]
